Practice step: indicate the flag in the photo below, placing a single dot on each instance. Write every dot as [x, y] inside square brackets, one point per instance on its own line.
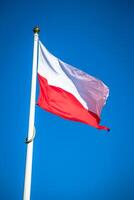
[69, 92]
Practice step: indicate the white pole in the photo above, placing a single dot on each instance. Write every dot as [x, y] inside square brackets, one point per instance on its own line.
[28, 169]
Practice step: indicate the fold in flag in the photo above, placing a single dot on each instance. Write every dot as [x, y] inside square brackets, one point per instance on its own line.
[69, 92]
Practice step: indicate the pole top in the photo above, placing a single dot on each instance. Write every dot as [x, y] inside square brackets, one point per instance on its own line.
[36, 29]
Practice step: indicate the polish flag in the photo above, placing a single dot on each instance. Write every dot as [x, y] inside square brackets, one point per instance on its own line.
[69, 92]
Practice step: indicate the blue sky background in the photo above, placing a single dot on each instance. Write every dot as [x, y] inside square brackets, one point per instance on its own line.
[72, 161]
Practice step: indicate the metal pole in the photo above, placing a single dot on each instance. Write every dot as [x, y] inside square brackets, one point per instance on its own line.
[28, 169]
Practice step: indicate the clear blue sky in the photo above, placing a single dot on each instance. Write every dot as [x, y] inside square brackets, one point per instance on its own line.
[72, 161]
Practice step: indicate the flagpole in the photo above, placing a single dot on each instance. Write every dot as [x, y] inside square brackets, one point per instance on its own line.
[29, 141]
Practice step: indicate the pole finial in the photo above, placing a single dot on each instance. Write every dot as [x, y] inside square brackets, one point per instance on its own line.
[36, 29]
